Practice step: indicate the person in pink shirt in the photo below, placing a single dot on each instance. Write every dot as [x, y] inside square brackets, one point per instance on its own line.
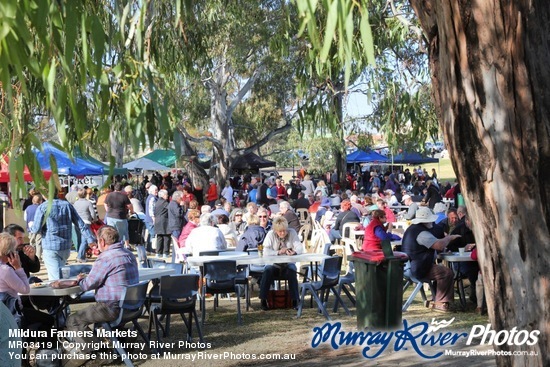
[13, 281]
[382, 205]
[193, 217]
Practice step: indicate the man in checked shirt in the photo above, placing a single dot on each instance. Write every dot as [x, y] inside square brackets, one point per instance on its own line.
[114, 269]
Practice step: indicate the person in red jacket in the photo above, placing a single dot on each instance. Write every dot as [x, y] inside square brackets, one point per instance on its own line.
[212, 194]
[375, 232]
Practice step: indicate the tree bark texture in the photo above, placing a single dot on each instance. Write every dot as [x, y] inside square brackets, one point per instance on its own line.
[117, 148]
[489, 61]
[188, 159]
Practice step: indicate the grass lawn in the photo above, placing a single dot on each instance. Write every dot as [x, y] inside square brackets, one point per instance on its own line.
[444, 169]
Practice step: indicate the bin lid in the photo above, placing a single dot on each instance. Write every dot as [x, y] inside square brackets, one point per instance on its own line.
[377, 256]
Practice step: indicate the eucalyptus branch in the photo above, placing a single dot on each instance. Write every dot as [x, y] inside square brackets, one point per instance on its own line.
[287, 126]
[245, 89]
[404, 20]
[189, 137]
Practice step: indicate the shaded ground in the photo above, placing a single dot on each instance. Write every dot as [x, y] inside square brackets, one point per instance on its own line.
[280, 332]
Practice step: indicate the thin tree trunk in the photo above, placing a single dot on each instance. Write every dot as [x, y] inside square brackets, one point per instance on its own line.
[117, 148]
[489, 62]
[339, 154]
[340, 161]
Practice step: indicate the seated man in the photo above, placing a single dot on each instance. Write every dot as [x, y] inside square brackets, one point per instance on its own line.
[253, 236]
[413, 207]
[421, 241]
[302, 202]
[280, 241]
[289, 215]
[448, 224]
[467, 240]
[115, 268]
[27, 254]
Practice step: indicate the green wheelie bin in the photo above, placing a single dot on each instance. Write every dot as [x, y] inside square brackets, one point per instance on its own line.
[379, 287]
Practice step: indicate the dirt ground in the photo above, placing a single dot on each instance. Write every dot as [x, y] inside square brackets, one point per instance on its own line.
[279, 334]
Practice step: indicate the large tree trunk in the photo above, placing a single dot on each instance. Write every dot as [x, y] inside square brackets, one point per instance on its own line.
[221, 121]
[187, 157]
[489, 62]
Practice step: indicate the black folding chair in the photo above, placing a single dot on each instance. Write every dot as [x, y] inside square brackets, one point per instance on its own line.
[330, 276]
[221, 276]
[178, 295]
[131, 308]
[153, 296]
[346, 284]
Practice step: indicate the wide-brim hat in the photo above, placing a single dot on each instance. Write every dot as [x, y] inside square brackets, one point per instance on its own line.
[424, 215]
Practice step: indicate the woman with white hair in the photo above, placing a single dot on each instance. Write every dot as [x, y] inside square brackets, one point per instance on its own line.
[206, 237]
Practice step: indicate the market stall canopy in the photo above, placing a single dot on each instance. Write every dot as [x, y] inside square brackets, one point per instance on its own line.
[252, 161]
[89, 158]
[361, 156]
[413, 158]
[145, 165]
[5, 171]
[65, 166]
[166, 157]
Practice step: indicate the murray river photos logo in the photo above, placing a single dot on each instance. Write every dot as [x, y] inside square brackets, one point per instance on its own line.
[417, 337]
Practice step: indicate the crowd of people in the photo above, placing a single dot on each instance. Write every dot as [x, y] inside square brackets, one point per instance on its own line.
[249, 211]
